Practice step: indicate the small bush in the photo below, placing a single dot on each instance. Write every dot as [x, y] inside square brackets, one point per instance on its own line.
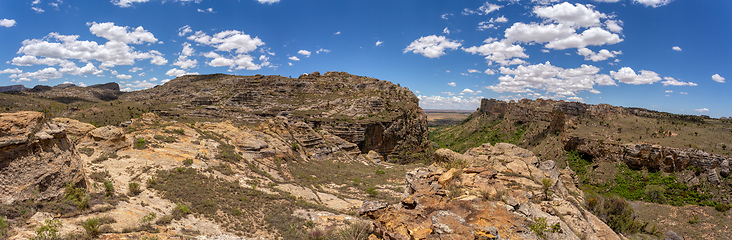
[695, 220]
[48, 230]
[108, 188]
[546, 186]
[372, 191]
[149, 218]
[3, 226]
[380, 172]
[140, 144]
[134, 189]
[353, 231]
[295, 146]
[655, 193]
[178, 131]
[541, 228]
[188, 162]
[180, 210]
[151, 182]
[76, 195]
[92, 227]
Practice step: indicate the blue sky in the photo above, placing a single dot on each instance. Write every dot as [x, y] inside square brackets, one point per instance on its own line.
[664, 55]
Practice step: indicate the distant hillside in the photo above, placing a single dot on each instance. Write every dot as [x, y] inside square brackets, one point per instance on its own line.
[13, 88]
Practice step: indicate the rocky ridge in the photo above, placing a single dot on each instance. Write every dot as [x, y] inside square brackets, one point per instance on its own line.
[374, 114]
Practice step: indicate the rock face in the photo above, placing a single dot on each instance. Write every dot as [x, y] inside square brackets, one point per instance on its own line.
[496, 195]
[37, 158]
[373, 114]
[651, 157]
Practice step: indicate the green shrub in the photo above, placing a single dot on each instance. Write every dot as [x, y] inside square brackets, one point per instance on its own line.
[380, 172]
[188, 162]
[134, 189]
[140, 144]
[151, 182]
[546, 186]
[4, 226]
[227, 153]
[108, 188]
[180, 210]
[92, 227]
[48, 230]
[295, 146]
[695, 220]
[372, 191]
[149, 218]
[655, 193]
[76, 195]
[541, 228]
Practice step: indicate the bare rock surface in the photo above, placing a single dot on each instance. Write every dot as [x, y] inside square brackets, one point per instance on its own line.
[495, 196]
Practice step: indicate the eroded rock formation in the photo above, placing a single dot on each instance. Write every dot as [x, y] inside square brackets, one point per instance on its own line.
[497, 194]
[37, 158]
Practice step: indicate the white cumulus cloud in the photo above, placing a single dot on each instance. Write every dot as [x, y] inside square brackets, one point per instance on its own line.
[267, 1]
[628, 76]
[127, 3]
[378, 43]
[572, 15]
[237, 44]
[174, 72]
[453, 102]
[549, 79]
[718, 78]
[653, 3]
[676, 48]
[124, 76]
[452, 84]
[501, 52]
[432, 46]
[294, 58]
[305, 53]
[673, 82]
[601, 55]
[7, 22]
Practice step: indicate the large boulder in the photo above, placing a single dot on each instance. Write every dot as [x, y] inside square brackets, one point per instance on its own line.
[37, 160]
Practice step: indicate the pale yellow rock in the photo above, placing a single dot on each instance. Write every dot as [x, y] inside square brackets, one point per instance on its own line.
[447, 176]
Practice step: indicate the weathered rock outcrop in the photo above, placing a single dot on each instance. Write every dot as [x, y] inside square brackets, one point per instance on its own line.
[373, 114]
[648, 156]
[496, 195]
[653, 157]
[37, 158]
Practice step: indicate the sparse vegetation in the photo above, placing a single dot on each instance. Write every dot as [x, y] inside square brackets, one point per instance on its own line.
[4, 226]
[134, 189]
[542, 228]
[91, 226]
[140, 144]
[76, 195]
[546, 185]
[108, 188]
[48, 230]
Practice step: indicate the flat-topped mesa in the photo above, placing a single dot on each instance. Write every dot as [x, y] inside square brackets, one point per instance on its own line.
[374, 114]
[542, 107]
